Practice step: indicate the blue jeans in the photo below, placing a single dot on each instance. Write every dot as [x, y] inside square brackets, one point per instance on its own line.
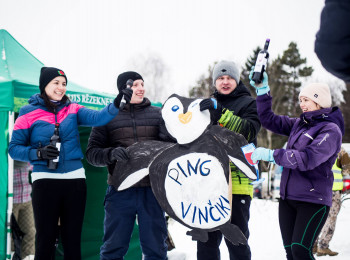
[121, 209]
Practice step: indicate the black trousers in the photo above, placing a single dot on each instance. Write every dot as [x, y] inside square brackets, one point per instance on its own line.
[62, 200]
[240, 217]
[300, 224]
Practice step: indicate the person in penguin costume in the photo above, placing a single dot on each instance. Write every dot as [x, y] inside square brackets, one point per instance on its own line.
[191, 178]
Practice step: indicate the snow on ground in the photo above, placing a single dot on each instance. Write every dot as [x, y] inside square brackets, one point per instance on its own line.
[265, 239]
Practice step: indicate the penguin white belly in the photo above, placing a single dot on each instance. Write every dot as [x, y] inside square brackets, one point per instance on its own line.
[197, 190]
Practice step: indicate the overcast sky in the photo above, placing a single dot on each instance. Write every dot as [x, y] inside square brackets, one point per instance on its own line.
[94, 41]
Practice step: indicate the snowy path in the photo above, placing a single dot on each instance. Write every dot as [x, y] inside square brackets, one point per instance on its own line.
[265, 239]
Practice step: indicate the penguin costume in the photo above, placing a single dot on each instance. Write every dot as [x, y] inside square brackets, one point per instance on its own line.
[191, 178]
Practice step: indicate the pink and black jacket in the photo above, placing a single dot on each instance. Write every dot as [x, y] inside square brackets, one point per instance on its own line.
[35, 126]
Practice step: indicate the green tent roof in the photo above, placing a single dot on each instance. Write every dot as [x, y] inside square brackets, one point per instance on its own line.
[19, 78]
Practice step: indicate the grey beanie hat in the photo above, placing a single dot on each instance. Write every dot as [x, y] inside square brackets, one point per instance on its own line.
[226, 68]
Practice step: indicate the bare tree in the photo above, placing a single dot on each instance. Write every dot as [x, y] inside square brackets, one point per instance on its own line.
[204, 87]
[155, 74]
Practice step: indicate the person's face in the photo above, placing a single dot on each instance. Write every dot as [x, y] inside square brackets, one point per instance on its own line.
[138, 92]
[307, 105]
[56, 88]
[225, 84]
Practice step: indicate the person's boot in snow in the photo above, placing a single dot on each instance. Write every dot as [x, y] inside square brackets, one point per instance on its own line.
[325, 251]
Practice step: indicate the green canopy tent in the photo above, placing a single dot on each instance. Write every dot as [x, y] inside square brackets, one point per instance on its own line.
[19, 74]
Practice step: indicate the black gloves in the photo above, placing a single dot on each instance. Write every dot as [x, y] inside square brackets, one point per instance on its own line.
[213, 106]
[207, 103]
[127, 93]
[48, 152]
[118, 154]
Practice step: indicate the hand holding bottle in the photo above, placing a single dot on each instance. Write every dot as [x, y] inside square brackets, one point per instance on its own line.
[126, 93]
[261, 63]
[263, 87]
[48, 152]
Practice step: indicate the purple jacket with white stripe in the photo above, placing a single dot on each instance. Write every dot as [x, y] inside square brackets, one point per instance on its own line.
[35, 126]
[313, 144]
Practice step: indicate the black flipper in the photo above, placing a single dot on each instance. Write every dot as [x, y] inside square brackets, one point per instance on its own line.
[141, 155]
[234, 234]
[233, 143]
[198, 235]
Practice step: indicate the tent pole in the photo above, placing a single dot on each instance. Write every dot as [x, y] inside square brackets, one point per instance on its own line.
[11, 121]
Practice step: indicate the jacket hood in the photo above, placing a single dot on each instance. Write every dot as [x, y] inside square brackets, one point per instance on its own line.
[36, 100]
[239, 91]
[332, 114]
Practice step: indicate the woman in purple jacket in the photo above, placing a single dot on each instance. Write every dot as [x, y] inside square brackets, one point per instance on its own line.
[306, 184]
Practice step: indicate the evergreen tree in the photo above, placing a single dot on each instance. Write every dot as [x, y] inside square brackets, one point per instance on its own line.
[247, 68]
[278, 87]
[292, 70]
[285, 75]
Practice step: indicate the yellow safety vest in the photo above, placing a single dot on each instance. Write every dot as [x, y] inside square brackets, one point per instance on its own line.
[240, 183]
[338, 177]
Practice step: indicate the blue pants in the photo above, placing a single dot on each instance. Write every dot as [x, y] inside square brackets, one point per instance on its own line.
[240, 216]
[121, 209]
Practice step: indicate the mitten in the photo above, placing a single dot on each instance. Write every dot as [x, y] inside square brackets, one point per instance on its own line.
[263, 87]
[119, 154]
[127, 93]
[264, 154]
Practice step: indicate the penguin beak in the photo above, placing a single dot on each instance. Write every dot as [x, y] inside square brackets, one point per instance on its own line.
[185, 118]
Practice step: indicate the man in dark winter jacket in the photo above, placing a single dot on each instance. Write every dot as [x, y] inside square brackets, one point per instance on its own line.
[238, 113]
[332, 44]
[137, 121]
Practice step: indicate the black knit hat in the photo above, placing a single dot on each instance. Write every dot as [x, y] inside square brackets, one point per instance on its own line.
[124, 77]
[47, 74]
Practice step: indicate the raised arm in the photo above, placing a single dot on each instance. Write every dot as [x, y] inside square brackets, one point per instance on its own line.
[278, 124]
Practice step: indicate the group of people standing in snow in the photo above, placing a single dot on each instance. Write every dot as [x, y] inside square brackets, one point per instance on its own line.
[59, 193]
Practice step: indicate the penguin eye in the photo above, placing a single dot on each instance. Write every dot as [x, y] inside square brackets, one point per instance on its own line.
[175, 108]
[195, 104]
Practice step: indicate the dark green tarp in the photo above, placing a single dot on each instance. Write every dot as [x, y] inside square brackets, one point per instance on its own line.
[19, 76]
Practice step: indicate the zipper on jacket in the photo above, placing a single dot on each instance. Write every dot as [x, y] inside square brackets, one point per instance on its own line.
[306, 122]
[239, 179]
[132, 113]
[54, 111]
[57, 125]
